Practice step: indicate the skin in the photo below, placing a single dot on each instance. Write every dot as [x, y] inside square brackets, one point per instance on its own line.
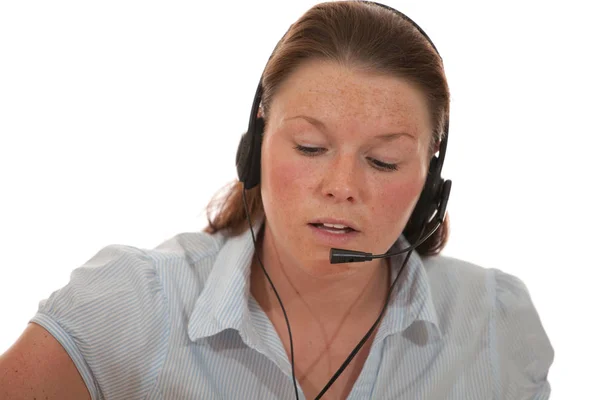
[340, 110]
[37, 367]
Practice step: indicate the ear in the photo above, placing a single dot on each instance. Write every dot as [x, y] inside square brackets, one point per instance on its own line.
[436, 148]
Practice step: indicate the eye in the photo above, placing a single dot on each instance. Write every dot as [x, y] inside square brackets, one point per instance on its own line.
[315, 151]
[383, 166]
[309, 151]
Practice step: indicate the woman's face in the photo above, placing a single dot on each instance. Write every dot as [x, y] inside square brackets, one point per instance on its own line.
[341, 146]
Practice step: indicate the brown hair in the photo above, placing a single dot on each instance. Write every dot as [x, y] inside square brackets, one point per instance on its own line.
[357, 34]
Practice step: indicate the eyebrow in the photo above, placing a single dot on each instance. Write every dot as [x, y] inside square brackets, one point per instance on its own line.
[386, 137]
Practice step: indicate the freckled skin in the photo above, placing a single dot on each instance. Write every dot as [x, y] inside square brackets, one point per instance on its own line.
[341, 182]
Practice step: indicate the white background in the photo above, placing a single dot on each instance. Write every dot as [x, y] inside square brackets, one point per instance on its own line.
[120, 119]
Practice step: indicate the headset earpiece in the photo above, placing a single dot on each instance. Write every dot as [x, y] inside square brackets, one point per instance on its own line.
[429, 199]
[248, 154]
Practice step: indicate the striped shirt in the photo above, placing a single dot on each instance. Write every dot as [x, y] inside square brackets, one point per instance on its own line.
[179, 322]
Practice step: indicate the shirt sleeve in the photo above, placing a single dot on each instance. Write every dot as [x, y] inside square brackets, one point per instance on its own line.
[523, 351]
[111, 318]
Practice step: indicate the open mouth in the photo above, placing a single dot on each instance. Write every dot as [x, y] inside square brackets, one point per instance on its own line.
[333, 228]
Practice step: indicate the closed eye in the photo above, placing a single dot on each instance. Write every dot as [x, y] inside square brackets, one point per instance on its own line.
[384, 166]
[315, 151]
[309, 151]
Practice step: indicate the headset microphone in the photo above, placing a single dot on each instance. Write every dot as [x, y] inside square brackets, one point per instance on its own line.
[338, 256]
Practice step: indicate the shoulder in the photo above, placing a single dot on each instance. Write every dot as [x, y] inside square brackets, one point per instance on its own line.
[114, 315]
[184, 263]
[194, 247]
[458, 282]
[454, 278]
[116, 276]
[489, 291]
[133, 279]
[490, 306]
[111, 319]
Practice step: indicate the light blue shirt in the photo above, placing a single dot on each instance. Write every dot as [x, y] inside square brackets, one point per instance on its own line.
[179, 322]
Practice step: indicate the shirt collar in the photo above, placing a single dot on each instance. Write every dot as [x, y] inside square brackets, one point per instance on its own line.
[225, 300]
[411, 299]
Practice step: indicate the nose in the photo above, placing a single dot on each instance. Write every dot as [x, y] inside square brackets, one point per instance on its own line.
[341, 180]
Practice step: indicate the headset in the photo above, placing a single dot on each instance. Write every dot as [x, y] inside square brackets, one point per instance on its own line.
[431, 204]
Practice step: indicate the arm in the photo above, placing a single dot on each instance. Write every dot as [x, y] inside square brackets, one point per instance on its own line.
[37, 366]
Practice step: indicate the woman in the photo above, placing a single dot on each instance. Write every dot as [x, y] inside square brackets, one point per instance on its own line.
[341, 154]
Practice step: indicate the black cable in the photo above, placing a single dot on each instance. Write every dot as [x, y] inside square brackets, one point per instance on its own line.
[276, 294]
[366, 337]
[363, 340]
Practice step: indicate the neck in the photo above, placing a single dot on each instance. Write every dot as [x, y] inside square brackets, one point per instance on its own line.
[349, 294]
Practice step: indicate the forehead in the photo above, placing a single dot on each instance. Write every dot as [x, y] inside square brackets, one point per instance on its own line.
[335, 92]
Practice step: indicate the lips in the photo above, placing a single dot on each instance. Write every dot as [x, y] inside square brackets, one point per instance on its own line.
[335, 223]
[332, 237]
[336, 229]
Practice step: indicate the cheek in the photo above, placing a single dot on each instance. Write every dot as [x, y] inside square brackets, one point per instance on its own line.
[282, 178]
[284, 175]
[398, 199]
